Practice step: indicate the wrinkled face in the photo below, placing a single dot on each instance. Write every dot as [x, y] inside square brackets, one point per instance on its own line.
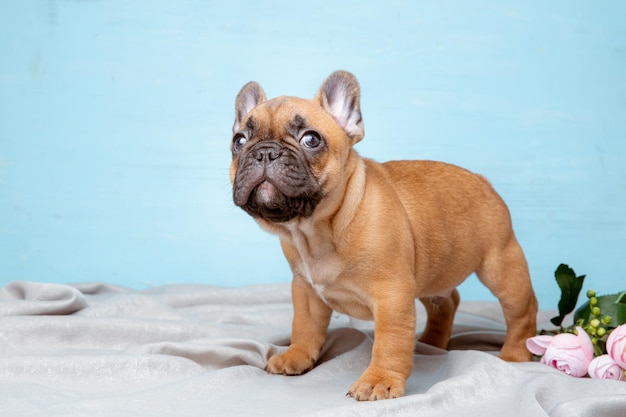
[279, 159]
[289, 153]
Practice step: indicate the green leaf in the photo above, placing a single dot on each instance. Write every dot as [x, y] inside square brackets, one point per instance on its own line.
[597, 350]
[613, 305]
[570, 286]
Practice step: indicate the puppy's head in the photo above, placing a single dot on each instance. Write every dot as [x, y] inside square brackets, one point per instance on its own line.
[291, 153]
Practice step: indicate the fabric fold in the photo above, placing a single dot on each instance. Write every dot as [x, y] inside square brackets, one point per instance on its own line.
[24, 298]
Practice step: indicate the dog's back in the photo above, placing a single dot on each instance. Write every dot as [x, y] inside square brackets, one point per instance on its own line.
[456, 216]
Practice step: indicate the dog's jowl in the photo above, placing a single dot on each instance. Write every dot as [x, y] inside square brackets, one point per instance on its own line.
[365, 238]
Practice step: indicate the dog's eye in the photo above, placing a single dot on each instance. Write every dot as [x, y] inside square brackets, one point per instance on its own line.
[238, 142]
[311, 140]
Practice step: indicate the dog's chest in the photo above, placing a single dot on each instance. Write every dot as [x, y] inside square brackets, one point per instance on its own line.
[318, 262]
[321, 274]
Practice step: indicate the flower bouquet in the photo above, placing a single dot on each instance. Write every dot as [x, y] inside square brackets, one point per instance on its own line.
[595, 344]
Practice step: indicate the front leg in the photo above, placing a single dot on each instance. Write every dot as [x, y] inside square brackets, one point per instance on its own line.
[310, 324]
[392, 355]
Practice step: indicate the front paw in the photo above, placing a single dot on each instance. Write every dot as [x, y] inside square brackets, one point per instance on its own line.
[292, 362]
[377, 384]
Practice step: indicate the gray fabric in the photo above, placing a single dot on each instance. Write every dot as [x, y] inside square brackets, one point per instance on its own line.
[100, 350]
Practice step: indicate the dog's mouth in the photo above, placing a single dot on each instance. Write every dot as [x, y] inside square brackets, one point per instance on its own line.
[277, 189]
[267, 201]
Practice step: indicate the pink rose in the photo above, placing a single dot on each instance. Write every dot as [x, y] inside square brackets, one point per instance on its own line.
[570, 353]
[537, 345]
[616, 345]
[603, 367]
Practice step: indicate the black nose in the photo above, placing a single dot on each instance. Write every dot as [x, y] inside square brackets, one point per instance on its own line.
[267, 153]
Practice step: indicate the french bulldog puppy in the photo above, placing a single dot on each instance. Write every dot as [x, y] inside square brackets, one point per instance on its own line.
[365, 238]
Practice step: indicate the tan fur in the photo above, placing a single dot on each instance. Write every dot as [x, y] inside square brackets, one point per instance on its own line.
[383, 235]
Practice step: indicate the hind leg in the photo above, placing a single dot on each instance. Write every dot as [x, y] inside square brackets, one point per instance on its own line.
[505, 273]
[440, 319]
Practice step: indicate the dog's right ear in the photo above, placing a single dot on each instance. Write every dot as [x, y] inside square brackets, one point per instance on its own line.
[249, 96]
[340, 96]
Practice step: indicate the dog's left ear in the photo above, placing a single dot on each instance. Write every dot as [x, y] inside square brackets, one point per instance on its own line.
[249, 96]
[340, 96]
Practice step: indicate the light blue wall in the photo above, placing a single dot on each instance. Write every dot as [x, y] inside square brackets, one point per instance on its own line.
[115, 122]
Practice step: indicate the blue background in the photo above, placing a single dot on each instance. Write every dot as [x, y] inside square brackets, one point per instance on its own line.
[115, 121]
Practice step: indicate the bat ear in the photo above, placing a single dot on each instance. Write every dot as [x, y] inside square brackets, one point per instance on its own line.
[249, 96]
[340, 96]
